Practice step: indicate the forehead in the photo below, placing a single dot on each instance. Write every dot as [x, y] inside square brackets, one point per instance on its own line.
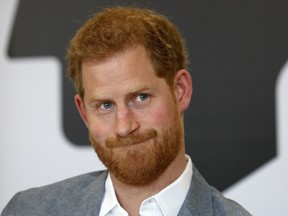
[129, 69]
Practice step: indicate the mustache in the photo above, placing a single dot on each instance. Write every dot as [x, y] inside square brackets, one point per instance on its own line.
[114, 142]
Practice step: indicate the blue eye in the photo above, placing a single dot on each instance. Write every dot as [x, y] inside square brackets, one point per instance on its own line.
[106, 105]
[141, 97]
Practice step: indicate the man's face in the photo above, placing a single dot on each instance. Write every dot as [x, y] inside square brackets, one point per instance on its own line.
[132, 116]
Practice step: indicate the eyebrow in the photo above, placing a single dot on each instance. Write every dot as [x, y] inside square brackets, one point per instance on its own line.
[134, 89]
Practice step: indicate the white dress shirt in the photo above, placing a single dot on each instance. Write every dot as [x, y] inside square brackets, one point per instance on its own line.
[165, 203]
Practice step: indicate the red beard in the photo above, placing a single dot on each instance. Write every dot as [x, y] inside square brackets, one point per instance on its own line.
[140, 158]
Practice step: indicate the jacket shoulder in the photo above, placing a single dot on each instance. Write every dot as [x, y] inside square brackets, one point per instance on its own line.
[203, 199]
[225, 206]
[66, 197]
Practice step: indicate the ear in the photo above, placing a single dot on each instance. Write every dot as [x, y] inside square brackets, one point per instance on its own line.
[183, 89]
[81, 108]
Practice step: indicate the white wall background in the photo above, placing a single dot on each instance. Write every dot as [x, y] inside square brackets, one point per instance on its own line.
[34, 152]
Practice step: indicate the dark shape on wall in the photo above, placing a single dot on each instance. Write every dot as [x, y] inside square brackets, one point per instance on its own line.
[237, 49]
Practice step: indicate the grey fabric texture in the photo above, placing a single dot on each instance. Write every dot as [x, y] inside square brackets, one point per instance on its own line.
[83, 195]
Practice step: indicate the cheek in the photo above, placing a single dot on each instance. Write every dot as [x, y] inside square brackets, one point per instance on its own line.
[160, 113]
[99, 131]
[159, 116]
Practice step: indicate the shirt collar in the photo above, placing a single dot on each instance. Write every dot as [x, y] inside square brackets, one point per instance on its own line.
[165, 198]
[110, 199]
[171, 198]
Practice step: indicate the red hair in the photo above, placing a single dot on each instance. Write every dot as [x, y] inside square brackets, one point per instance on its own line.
[114, 30]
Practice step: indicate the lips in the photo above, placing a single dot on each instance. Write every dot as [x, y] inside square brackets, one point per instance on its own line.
[116, 142]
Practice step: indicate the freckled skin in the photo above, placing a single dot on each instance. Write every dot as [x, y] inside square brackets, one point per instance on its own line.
[124, 99]
[117, 80]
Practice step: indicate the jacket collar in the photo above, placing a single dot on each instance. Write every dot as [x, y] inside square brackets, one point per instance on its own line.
[92, 196]
[198, 200]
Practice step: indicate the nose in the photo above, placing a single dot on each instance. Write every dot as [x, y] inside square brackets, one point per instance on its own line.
[126, 122]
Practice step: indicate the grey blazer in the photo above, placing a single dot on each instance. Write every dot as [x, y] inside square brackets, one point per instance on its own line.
[82, 196]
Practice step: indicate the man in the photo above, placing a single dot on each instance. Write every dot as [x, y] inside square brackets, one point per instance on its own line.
[129, 69]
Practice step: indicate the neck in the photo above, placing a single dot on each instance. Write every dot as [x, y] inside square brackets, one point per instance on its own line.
[130, 197]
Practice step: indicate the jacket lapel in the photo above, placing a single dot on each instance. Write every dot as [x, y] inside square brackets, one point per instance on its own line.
[90, 199]
[198, 200]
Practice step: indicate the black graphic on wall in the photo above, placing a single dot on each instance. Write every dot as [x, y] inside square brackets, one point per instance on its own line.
[237, 49]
